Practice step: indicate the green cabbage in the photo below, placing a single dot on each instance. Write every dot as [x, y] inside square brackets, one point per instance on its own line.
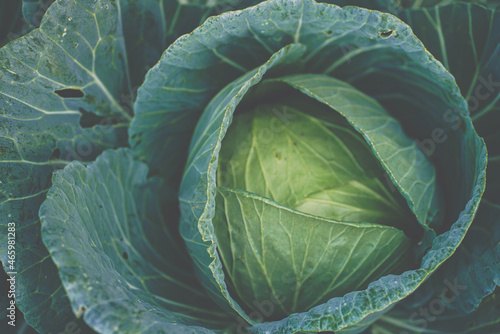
[281, 166]
[305, 165]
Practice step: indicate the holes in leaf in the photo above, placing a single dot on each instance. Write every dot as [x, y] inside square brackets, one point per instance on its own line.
[125, 255]
[89, 119]
[386, 33]
[56, 154]
[82, 309]
[70, 93]
[329, 32]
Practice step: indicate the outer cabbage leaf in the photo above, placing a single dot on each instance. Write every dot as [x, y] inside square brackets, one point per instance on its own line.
[384, 59]
[474, 268]
[11, 25]
[476, 65]
[157, 23]
[144, 30]
[105, 228]
[45, 124]
[150, 25]
[484, 319]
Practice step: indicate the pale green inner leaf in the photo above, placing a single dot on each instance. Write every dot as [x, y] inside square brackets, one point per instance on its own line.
[407, 166]
[279, 257]
[318, 165]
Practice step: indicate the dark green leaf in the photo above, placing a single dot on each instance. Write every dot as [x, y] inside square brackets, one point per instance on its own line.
[435, 318]
[106, 231]
[475, 267]
[473, 59]
[377, 54]
[149, 26]
[475, 63]
[41, 75]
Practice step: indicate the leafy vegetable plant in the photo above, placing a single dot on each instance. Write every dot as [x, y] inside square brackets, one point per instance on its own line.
[280, 166]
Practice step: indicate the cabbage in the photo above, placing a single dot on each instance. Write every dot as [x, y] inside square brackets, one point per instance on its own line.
[281, 166]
